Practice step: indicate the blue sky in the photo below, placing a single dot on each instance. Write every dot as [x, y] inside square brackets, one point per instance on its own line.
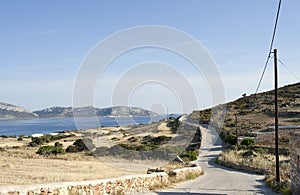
[44, 42]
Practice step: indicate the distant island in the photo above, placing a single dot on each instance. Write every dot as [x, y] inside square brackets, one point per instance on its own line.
[13, 112]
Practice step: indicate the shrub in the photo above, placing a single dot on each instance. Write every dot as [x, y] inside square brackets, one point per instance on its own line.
[233, 147]
[261, 150]
[160, 140]
[57, 144]
[20, 139]
[47, 150]
[71, 149]
[32, 144]
[83, 144]
[231, 139]
[248, 153]
[58, 150]
[36, 141]
[247, 142]
[188, 155]
[190, 176]
[222, 135]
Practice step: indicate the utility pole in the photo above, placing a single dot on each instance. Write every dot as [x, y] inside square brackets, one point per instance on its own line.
[276, 117]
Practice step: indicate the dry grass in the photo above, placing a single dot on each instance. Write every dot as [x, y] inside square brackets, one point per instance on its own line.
[266, 161]
[23, 166]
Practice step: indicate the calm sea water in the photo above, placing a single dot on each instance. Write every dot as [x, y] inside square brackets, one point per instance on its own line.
[50, 125]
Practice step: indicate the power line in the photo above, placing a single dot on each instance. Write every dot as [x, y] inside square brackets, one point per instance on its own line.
[271, 46]
[289, 70]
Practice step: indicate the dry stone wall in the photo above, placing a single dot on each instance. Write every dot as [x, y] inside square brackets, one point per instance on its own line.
[185, 173]
[295, 161]
[120, 185]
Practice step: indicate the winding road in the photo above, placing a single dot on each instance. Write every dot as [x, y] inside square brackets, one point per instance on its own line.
[217, 179]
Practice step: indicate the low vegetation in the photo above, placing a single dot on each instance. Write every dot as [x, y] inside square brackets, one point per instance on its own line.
[257, 159]
[48, 150]
[37, 141]
[80, 145]
[189, 155]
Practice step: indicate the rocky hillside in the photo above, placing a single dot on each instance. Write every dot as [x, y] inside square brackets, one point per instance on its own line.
[89, 111]
[9, 111]
[255, 113]
[55, 112]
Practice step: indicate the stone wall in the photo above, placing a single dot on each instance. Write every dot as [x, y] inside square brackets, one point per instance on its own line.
[241, 167]
[295, 161]
[186, 173]
[120, 185]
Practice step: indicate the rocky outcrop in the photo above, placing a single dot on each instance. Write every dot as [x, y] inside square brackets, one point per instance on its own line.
[9, 111]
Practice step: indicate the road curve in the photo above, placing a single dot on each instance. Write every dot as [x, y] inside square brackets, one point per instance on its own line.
[217, 180]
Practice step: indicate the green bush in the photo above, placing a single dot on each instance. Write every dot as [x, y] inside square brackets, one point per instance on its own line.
[36, 141]
[233, 147]
[58, 150]
[71, 149]
[144, 147]
[83, 144]
[189, 155]
[231, 139]
[261, 150]
[247, 142]
[248, 153]
[160, 140]
[47, 150]
[57, 144]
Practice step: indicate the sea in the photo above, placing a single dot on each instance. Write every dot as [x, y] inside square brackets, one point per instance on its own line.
[54, 125]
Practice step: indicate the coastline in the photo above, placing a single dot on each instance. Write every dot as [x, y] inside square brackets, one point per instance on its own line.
[60, 124]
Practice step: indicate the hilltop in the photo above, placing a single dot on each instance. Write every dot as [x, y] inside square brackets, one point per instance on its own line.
[9, 111]
[255, 113]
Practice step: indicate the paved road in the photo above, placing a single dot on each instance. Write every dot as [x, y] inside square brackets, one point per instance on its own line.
[217, 180]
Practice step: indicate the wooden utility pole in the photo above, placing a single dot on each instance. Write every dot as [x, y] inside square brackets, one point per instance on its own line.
[276, 117]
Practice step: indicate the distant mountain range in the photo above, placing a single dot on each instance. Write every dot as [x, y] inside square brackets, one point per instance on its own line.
[10, 112]
[89, 111]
